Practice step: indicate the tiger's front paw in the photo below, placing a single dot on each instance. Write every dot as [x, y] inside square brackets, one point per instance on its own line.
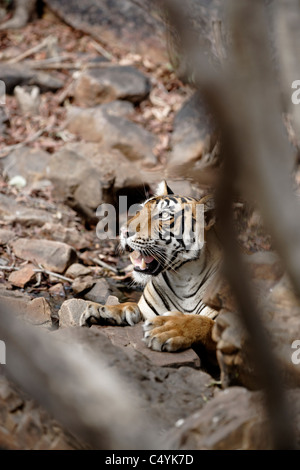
[175, 331]
[121, 314]
[164, 333]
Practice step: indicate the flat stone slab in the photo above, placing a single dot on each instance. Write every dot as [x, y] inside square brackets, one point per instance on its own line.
[131, 337]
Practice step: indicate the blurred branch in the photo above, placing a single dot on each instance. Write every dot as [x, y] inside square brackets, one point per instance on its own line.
[258, 160]
[78, 389]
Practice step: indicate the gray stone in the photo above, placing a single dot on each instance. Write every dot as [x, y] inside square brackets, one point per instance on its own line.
[233, 420]
[14, 299]
[82, 284]
[14, 212]
[109, 83]
[96, 125]
[38, 312]
[70, 312]
[131, 26]
[26, 162]
[77, 270]
[99, 292]
[54, 256]
[27, 426]
[23, 276]
[132, 337]
[6, 236]
[167, 394]
[83, 183]
[193, 135]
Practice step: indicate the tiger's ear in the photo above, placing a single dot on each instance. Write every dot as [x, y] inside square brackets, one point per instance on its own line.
[163, 189]
[209, 211]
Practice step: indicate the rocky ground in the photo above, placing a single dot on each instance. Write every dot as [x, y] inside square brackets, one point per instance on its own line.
[82, 125]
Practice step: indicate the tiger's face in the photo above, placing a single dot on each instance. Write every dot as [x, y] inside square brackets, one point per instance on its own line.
[167, 232]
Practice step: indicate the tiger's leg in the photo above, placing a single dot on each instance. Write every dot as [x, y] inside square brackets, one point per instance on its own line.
[174, 331]
[121, 314]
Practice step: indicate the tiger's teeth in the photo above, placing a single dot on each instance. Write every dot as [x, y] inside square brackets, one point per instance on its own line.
[143, 264]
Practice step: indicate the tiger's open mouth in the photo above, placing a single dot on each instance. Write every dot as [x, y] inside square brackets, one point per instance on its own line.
[144, 263]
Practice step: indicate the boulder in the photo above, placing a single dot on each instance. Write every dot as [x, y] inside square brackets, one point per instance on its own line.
[167, 394]
[6, 236]
[193, 134]
[108, 83]
[99, 292]
[114, 132]
[280, 311]
[127, 25]
[77, 270]
[18, 74]
[131, 337]
[234, 419]
[27, 426]
[70, 312]
[38, 312]
[54, 256]
[26, 162]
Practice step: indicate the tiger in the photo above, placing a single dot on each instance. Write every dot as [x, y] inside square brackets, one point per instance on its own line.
[175, 270]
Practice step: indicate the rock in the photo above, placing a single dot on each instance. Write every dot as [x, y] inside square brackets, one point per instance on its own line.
[69, 235]
[26, 162]
[128, 25]
[27, 426]
[132, 337]
[14, 300]
[18, 74]
[38, 312]
[4, 120]
[77, 270]
[99, 292]
[98, 174]
[6, 236]
[116, 171]
[57, 290]
[167, 394]
[23, 276]
[233, 420]
[14, 212]
[118, 108]
[280, 313]
[265, 265]
[54, 256]
[83, 183]
[83, 284]
[193, 135]
[115, 132]
[104, 84]
[70, 312]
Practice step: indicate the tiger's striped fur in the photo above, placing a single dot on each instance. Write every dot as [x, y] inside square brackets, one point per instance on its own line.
[175, 268]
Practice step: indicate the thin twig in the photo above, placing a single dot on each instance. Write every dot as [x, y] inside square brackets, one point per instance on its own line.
[103, 51]
[105, 265]
[30, 51]
[38, 270]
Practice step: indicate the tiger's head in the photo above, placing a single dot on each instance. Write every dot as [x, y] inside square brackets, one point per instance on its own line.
[166, 232]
